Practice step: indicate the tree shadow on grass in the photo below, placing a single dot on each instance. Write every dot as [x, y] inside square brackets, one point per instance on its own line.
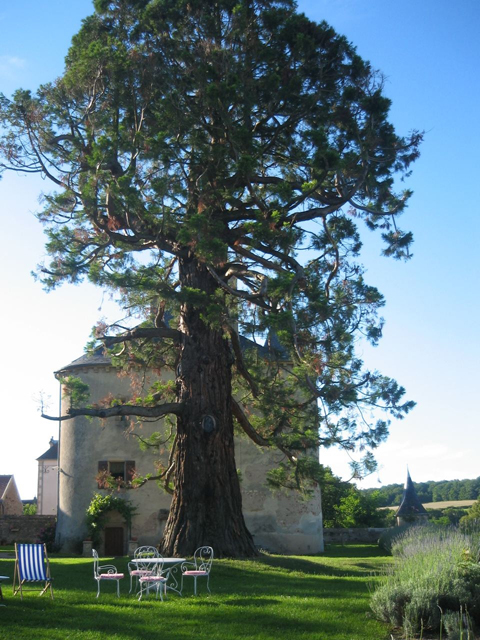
[230, 620]
[274, 583]
[269, 575]
[244, 602]
[354, 551]
[265, 598]
[315, 566]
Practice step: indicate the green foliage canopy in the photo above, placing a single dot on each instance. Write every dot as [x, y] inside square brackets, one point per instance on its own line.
[249, 141]
[30, 509]
[343, 505]
[473, 515]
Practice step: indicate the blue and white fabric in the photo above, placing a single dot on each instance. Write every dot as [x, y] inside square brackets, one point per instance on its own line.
[31, 563]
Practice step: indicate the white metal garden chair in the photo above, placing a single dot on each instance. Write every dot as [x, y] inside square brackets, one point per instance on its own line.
[140, 569]
[156, 579]
[199, 568]
[105, 572]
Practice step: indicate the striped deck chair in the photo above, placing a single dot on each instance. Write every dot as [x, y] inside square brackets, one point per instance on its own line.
[31, 566]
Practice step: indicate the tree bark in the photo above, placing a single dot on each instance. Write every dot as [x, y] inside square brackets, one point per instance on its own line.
[207, 505]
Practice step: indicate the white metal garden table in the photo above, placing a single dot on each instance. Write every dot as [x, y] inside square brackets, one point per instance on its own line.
[171, 564]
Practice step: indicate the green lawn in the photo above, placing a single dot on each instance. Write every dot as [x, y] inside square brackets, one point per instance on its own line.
[272, 597]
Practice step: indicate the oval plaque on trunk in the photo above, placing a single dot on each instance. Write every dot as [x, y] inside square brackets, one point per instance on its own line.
[208, 424]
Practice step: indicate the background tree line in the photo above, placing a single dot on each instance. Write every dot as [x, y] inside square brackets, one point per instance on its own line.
[344, 505]
[391, 495]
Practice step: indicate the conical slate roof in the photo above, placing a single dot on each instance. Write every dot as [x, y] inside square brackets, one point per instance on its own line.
[272, 350]
[96, 358]
[410, 505]
[52, 452]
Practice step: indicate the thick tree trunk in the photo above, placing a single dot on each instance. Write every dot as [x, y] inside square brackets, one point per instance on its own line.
[207, 505]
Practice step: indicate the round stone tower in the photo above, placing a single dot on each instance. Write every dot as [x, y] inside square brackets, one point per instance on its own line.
[278, 522]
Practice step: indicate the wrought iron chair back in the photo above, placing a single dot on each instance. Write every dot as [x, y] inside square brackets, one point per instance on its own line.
[146, 552]
[138, 569]
[154, 578]
[199, 568]
[203, 559]
[105, 572]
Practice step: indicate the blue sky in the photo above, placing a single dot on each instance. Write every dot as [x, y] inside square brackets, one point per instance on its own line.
[429, 52]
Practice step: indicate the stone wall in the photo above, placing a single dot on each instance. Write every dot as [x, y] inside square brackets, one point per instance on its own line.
[23, 528]
[27, 529]
[352, 536]
[278, 523]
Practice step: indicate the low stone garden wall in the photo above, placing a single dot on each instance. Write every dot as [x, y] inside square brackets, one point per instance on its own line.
[23, 528]
[27, 529]
[354, 536]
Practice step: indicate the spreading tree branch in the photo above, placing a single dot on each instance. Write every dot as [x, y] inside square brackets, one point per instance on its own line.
[244, 422]
[159, 411]
[242, 369]
[143, 332]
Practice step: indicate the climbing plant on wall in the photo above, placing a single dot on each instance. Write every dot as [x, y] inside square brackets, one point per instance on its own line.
[98, 509]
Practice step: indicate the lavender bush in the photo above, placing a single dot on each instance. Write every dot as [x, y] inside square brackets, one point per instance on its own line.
[436, 573]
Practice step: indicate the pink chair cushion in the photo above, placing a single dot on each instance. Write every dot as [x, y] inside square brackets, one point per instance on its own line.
[195, 573]
[110, 576]
[140, 572]
[153, 579]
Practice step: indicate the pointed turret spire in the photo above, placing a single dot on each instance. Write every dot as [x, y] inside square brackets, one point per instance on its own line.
[410, 508]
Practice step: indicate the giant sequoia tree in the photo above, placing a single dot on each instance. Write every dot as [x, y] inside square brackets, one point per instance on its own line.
[213, 158]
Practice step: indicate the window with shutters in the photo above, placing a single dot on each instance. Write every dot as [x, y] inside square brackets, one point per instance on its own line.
[115, 473]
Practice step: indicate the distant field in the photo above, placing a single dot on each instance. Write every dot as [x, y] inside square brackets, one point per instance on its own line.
[441, 505]
[448, 503]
